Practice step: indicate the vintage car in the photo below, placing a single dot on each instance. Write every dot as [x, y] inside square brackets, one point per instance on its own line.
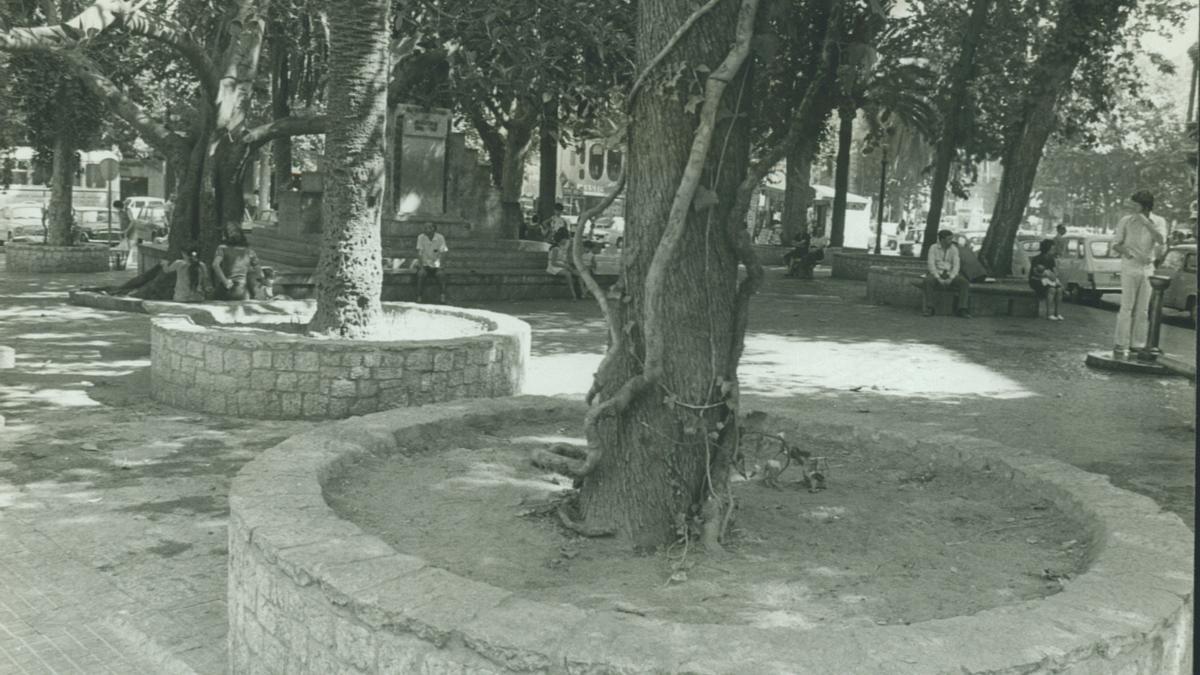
[1089, 267]
[1180, 265]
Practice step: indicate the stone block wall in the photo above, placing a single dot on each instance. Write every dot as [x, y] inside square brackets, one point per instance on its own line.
[309, 592]
[276, 375]
[39, 258]
[888, 286]
[855, 265]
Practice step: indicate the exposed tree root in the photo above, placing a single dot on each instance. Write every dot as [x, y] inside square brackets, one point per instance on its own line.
[550, 460]
[583, 529]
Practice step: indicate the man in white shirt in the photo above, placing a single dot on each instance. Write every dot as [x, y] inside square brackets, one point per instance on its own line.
[1138, 238]
[431, 246]
[943, 265]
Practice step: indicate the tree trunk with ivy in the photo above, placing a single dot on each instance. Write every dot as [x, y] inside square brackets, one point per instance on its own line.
[59, 215]
[661, 421]
[547, 160]
[349, 270]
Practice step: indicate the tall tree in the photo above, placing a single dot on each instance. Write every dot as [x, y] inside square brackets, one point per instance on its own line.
[662, 426]
[1087, 49]
[204, 130]
[954, 108]
[504, 60]
[349, 270]
[59, 116]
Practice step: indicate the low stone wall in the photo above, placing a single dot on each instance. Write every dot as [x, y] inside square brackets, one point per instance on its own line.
[39, 258]
[309, 592]
[855, 264]
[891, 286]
[223, 368]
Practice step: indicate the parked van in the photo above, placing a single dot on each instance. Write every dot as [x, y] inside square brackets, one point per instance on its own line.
[1090, 267]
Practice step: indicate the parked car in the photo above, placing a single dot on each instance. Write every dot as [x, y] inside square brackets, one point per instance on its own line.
[21, 224]
[93, 223]
[1180, 265]
[610, 231]
[1089, 268]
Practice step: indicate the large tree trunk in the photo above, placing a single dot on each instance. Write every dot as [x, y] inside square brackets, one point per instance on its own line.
[841, 176]
[953, 119]
[349, 271]
[1081, 25]
[680, 279]
[1021, 159]
[512, 174]
[798, 192]
[548, 160]
[59, 217]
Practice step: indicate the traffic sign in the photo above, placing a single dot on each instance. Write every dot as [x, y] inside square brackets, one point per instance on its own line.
[109, 169]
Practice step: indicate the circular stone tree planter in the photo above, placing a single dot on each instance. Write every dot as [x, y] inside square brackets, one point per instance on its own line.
[252, 360]
[310, 592]
[39, 258]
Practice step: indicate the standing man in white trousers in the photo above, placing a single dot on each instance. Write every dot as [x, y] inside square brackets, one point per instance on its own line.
[1138, 237]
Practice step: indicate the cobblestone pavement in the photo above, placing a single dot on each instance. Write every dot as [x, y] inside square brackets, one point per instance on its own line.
[113, 507]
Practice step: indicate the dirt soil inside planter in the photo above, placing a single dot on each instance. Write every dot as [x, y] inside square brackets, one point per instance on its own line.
[892, 539]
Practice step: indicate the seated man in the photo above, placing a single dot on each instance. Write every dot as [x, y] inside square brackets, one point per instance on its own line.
[943, 264]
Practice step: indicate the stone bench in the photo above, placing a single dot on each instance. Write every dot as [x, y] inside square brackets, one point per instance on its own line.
[902, 288]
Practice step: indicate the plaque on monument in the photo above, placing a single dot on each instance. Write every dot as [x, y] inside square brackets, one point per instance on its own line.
[419, 175]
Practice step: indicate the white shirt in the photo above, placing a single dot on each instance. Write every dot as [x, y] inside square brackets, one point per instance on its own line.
[943, 260]
[1136, 233]
[429, 250]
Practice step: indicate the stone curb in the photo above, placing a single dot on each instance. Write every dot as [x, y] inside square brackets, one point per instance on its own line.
[345, 599]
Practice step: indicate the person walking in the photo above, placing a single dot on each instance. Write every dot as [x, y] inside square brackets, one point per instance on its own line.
[943, 266]
[1137, 238]
[431, 246]
[129, 233]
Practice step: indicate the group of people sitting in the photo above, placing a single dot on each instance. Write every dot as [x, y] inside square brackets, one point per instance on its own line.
[235, 274]
[952, 266]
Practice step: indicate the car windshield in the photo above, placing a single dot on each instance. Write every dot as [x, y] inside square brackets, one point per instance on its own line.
[1103, 249]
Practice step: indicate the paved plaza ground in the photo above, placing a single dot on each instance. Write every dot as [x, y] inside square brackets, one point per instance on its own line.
[113, 507]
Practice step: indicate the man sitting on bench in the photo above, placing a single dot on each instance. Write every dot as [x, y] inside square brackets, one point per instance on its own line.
[944, 265]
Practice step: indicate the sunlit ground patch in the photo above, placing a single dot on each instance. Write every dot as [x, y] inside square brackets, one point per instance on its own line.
[777, 365]
[20, 396]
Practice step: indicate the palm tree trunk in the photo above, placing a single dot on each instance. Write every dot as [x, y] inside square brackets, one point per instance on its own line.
[841, 178]
[349, 269]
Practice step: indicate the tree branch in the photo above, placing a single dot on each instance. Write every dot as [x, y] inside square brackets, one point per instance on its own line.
[586, 274]
[284, 127]
[152, 131]
[97, 18]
